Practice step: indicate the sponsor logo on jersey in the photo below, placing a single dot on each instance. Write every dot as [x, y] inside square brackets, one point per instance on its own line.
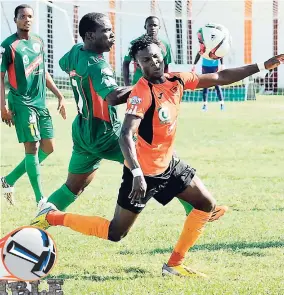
[36, 47]
[107, 71]
[26, 60]
[135, 100]
[108, 81]
[2, 50]
[164, 115]
[94, 60]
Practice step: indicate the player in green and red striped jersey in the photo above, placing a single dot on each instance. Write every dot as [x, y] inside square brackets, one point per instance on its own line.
[23, 59]
[152, 27]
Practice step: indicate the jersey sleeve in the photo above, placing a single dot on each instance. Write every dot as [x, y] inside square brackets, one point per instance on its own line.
[102, 78]
[139, 101]
[190, 80]
[64, 64]
[6, 58]
[127, 57]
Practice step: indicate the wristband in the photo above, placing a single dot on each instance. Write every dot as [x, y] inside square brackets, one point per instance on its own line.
[137, 172]
[261, 66]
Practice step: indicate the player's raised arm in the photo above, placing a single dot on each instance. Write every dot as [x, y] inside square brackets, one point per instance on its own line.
[229, 76]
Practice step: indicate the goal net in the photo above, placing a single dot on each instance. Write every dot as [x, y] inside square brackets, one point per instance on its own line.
[257, 29]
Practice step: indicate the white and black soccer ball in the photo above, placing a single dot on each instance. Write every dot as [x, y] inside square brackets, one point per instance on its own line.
[29, 254]
[214, 41]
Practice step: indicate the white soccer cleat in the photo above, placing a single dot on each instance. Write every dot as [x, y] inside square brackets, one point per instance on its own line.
[41, 204]
[8, 191]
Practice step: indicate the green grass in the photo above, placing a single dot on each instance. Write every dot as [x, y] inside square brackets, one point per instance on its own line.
[238, 153]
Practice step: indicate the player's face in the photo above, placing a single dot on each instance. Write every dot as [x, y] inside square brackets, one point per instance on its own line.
[104, 36]
[24, 19]
[152, 27]
[151, 62]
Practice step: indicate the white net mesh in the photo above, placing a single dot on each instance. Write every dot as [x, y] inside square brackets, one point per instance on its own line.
[257, 29]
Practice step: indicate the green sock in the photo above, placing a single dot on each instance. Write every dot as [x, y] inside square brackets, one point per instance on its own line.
[62, 198]
[187, 206]
[20, 170]
[32, 168]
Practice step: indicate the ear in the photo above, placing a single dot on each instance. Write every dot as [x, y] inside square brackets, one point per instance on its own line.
[145, 26]
[90, 36]
[15, 20]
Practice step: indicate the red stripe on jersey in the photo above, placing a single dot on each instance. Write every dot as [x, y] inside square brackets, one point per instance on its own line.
[11, 70]
[100, 106]
[33, 65]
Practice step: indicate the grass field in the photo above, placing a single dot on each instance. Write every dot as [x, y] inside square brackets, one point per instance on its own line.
[238, 153]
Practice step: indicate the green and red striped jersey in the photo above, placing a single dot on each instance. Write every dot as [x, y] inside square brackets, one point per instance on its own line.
[24, 61]
[92, 79]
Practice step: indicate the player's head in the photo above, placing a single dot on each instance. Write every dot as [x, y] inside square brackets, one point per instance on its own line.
[24, 16]
[152, 25]
[96, 31]
[148, 54]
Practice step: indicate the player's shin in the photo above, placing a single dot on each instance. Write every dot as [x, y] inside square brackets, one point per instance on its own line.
[87, 225]
[62, 198]
[193, 227]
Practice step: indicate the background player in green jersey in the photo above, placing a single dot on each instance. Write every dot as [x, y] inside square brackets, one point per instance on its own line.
[96, 128]
[23, 59]
[152, 27]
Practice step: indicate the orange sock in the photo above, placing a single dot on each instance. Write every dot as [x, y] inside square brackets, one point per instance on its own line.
[88, 225]
[55, 217]
[192, 229]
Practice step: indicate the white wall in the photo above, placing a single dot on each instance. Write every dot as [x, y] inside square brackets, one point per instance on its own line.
[130, 19]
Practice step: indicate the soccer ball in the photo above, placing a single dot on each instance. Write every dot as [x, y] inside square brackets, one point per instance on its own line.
[29, 254]
[214, 41]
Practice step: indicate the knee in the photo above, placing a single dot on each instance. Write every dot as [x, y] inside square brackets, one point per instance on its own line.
[31, 148]
[114, 234]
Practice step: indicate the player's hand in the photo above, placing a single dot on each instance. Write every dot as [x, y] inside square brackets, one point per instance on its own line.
[139, 188]
[274, 62]
[61, 107]
[7, 116]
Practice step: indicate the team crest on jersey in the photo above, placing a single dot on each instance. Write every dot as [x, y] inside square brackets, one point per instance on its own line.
[164, 115]
[36, 47]
[26, 60]
[135, 100]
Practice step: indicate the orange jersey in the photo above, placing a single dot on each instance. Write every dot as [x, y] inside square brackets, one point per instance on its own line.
[158, 107]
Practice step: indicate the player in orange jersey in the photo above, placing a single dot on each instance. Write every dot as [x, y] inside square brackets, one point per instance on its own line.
[151, 169]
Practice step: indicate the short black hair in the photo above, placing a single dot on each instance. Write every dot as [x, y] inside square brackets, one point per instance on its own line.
[22, 6]
[89, 23]
[150, 17]
[142, 43]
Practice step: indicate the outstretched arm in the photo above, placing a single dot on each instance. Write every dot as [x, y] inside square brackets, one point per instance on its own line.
[119, 95]
[229, 76]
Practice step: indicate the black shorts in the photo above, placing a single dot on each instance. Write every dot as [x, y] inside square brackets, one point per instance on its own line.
[163, 187]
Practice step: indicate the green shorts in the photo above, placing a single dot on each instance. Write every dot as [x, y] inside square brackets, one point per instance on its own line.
[86, 158]
[32, 124]
[84, 161]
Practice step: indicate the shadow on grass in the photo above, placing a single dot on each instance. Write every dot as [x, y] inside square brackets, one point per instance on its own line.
[224, 246]
[135, 272]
